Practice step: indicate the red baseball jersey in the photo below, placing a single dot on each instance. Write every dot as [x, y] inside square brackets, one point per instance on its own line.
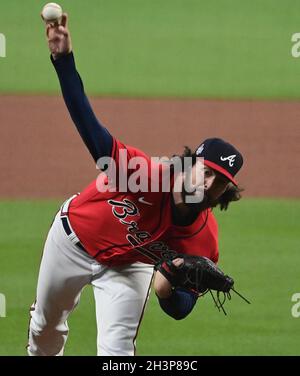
[118, 228]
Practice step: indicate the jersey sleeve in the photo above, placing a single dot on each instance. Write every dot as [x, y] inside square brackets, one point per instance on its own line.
[95, 136]
[179, 304]
[215, 235]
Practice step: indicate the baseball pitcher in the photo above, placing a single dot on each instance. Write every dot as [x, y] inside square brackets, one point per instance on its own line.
[117, 239]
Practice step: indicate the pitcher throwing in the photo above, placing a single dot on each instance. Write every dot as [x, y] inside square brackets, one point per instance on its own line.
[112, 239]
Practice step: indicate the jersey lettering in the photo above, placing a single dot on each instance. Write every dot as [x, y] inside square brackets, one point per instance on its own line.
[121, 209]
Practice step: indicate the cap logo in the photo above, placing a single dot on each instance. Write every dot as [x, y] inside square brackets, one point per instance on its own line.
[200, 149]
[230, 159]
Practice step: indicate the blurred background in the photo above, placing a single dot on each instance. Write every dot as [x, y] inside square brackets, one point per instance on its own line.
[161, 74]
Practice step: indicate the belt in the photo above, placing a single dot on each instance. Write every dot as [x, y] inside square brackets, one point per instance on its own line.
[67, 225]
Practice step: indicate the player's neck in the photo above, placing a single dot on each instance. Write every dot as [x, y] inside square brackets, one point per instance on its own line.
[183, 214]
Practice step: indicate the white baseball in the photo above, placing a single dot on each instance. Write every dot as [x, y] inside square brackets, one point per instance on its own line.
[52, 12]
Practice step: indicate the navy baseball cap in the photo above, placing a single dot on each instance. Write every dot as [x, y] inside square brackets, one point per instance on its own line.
[221, 156]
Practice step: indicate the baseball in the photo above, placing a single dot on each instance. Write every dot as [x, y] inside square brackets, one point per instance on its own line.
[52, 12]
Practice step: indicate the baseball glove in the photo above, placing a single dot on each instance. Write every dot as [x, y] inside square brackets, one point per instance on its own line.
[198, 274]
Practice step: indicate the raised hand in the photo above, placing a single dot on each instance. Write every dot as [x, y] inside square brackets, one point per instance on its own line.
[58, 37]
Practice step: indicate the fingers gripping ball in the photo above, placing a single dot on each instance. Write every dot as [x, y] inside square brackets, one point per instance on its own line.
[52, 12]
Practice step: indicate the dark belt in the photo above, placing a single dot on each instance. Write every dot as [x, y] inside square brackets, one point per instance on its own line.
[69, 232]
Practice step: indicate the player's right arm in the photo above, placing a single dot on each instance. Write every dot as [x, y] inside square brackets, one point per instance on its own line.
[96, 137]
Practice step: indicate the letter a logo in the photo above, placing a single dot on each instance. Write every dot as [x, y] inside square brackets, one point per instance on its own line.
[230, 159]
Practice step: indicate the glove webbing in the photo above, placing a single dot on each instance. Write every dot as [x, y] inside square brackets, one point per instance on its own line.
[218, 303]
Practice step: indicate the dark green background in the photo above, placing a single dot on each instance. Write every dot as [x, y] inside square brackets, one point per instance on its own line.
[181, 48]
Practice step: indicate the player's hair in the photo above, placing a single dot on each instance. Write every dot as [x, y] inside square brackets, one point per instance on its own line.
[232, 193]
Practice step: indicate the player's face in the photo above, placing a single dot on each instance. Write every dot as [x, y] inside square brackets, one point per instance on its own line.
[215, 184]
[208, 190]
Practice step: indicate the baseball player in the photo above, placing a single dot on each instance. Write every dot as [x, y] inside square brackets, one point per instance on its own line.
[111, 239]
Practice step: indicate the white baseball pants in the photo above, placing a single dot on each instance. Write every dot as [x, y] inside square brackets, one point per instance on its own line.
[120, 295]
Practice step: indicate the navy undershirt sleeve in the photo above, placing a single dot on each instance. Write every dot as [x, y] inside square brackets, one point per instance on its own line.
[96, 137]
[179, 304]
